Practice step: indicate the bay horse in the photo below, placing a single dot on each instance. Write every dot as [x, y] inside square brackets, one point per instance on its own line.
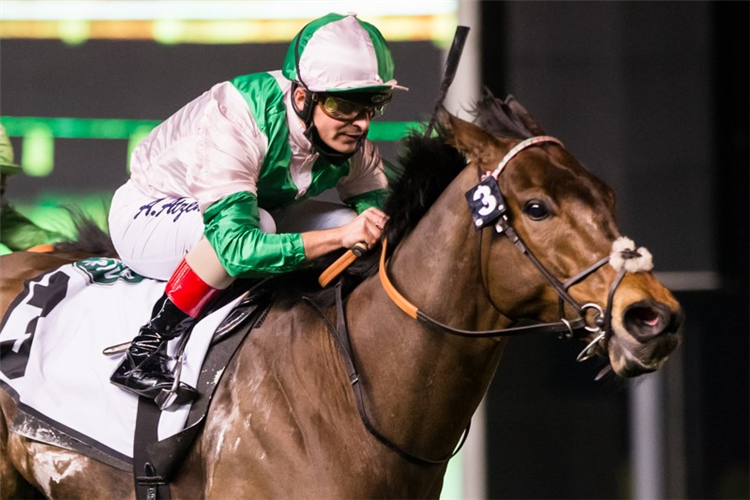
[427, 329]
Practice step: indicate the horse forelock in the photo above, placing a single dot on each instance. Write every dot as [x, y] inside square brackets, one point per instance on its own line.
[498, 118]
[429, 164]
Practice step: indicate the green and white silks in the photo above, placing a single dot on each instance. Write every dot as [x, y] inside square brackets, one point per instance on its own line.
[236, 148]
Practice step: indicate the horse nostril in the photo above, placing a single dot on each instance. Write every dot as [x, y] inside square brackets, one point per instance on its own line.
[646, 315]
[645, 320]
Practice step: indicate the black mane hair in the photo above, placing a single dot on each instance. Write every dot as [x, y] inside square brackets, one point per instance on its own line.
[427, 165]
[498, 118]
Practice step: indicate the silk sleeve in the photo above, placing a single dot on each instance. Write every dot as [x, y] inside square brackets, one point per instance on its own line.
[363, 201]
[232, 229]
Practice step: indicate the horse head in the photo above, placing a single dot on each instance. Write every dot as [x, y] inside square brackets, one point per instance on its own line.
[563, 217]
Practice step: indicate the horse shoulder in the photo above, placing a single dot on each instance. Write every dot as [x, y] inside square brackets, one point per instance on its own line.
[282, 409]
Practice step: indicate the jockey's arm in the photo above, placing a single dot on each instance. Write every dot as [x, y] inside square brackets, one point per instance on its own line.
[366, 227]
[232, 229]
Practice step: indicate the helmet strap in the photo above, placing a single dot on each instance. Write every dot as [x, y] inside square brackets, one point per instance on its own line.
[327, 152]
[306, 113]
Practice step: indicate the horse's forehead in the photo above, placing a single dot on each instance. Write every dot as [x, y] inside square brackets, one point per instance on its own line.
[538, 168]
[555, 173]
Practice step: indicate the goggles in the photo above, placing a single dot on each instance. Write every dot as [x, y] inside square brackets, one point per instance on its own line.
[344, 110]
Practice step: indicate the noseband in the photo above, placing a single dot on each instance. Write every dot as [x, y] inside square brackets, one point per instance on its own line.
[488, 205]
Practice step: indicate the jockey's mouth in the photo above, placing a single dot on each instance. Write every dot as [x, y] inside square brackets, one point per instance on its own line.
[352, 135]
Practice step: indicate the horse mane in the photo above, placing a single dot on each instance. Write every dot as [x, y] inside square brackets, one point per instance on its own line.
[427, 165]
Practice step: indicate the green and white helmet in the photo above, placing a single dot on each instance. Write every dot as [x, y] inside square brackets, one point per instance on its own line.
[340, 53]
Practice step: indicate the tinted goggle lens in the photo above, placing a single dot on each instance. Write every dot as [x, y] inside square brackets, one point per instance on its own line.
[342, 109]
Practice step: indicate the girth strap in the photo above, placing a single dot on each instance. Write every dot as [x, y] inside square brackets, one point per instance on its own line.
[150, 483]
[340, 334]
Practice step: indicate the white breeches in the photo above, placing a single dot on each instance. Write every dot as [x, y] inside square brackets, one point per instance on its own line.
[152, 236]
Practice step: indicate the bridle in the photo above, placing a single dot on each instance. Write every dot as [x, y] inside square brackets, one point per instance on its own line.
[600, 328]
[487, 205]
[563, 327]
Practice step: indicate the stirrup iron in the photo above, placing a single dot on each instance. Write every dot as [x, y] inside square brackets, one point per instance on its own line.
[176, 394]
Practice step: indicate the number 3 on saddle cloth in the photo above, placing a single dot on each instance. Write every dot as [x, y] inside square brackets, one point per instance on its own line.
[51, 361]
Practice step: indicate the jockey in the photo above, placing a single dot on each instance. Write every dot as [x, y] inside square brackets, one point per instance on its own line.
[222, 188]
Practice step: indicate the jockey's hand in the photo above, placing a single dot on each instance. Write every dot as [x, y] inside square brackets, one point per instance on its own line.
[366, 228]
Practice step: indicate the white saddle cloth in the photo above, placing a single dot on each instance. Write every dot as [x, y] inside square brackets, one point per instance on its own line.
[57, 332]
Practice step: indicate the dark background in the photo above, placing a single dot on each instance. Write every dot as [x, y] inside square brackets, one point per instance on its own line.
[651, 96]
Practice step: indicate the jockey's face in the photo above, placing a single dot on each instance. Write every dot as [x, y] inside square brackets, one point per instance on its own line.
[341, 135]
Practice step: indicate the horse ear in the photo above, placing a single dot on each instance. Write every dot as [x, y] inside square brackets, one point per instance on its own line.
[524, 116]
[473, 142]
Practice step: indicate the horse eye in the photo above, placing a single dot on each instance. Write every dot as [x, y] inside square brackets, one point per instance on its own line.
[536, 210]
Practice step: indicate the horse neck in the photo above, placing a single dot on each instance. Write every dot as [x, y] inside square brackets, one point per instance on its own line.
[423, 385]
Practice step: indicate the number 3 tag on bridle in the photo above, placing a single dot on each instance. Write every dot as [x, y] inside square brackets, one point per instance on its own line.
[486, 203]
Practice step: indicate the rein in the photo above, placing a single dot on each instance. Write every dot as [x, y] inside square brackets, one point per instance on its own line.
[559, 327]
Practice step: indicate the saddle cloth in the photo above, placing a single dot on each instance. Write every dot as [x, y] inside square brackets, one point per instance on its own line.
[51, 361]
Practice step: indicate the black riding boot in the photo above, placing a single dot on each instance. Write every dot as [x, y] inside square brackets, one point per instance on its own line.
[144, 371]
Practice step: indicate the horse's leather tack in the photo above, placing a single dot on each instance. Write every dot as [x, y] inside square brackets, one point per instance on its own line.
[559, 327]
[340, 334]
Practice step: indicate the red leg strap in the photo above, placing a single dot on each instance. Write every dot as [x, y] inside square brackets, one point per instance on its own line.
[188, 291]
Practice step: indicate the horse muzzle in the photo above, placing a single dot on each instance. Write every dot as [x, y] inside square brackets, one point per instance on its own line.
[646, 334]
